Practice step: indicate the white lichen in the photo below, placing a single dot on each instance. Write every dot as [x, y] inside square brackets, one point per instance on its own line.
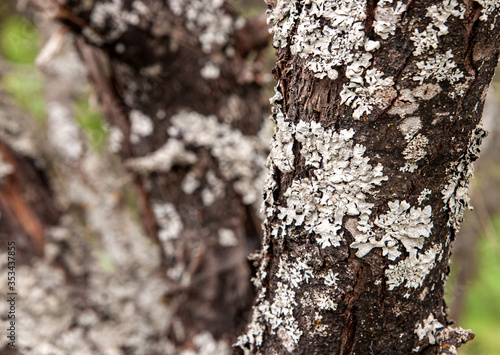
[330, 278]
[410, 126]
[414, 151]
[107, 17]
[63, 131]
[207, 19]
[210, 71]
[294, 271]
[240, 158]
[402, 225]
[110, 20]
[115, 139]
[190, 183]
[280, 316]
[169, 222]
[408, 101]
[115, 267]
[214, 189]
[412, 271]
[173, 153]
[330, 35]
[439, 67]
[428, 329]
[227, 238]
[455, 191]
[387, 16]
[282, 144]
[488, 7]
[342, 180]
[367, 88]
[206, 344]
[439, 14]
[140, 126]
[423, 195]
[324, 301]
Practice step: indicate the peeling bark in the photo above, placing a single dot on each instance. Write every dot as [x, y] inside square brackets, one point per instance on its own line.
[185, 114]
[377, 112]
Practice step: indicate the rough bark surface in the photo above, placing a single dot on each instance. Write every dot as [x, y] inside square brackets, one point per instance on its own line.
[186, 116]
[377, 110]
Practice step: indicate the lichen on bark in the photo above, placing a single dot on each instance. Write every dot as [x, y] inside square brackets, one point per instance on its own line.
[404, 80]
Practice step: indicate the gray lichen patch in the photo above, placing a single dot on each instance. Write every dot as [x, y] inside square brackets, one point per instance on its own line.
[408, 102]
[387, 15]
[190, 183]
[140, 126]
[279, 315]
[440, 68]
[282, 143]
[330, 35]
[169, 221]
[428, 328]
[342, 181]
[208, 19]
[214, 189]
[402, 225]
[488, 7]
[367, 88]
[227, 238]
[455, 191]
[241, 158]
[173, 153]
[424, 195]
[110, 20]
[411, 271]
[205, 344]
[414, 151]
[428, 39]
[106, 284]
[296, 271]
[410, 126]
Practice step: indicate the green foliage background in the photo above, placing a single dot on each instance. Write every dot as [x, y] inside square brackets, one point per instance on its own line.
[19, 46]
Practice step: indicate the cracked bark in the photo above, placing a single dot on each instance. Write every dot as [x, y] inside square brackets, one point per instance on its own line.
[374, 313]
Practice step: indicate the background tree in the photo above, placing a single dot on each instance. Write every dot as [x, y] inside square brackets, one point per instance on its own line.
[377, 113]
[186, 115]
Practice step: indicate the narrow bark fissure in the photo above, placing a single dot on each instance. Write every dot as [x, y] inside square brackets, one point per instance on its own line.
[397, 77]
[472, 29]
[349, 332]
[371, 6]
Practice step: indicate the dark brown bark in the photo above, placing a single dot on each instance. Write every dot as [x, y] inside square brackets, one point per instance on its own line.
[378, 110]
[188, 111]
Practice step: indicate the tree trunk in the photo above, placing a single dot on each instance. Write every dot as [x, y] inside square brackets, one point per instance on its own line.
[186, 116]
[377, 112]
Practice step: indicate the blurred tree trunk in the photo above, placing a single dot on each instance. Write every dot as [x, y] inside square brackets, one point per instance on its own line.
[27, 203]
[377, 112]
[186, 115]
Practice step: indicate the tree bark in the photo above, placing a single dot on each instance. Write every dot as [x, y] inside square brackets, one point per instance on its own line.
[377, 112]
[186, 116]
